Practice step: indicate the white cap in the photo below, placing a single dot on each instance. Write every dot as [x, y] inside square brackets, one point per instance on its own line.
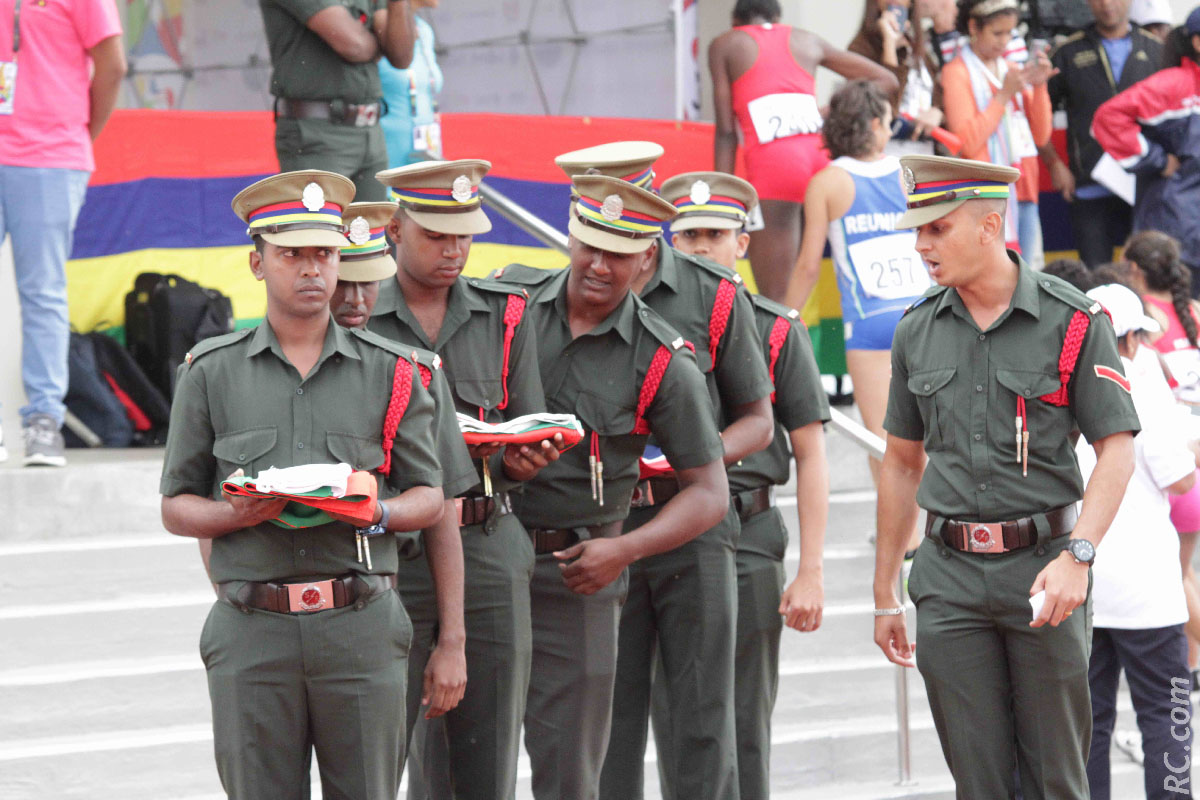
[1125, 308]
[1150, 12]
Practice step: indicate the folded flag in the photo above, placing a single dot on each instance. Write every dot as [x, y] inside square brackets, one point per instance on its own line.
[314, 490]
[653, 464]
[522, 430]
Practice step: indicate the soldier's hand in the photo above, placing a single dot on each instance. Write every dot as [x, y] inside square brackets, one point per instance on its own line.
[591, 565]
[250, 511]
[486, 450]
[524, 462]
[891, 634]
[804, 601]
[445, 679]
[1066, 585]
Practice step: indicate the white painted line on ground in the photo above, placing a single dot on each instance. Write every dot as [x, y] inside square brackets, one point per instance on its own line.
[51, 674]
[141, 602]
[86, 545]
[105, 741]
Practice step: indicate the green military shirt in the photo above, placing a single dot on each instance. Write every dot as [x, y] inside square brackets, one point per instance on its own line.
[955, 388]
[239, 403]
[799, 397]
[304, 66]
[684, 291]
[458, 470]
[598, 377]
[471, 344]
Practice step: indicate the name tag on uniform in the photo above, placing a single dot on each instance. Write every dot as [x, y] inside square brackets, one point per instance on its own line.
[777, 116]
[428, 138]
[8, 86]
[888, 268]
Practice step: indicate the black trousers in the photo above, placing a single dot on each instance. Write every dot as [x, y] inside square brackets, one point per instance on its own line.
[1155, 664]
[1099, 226]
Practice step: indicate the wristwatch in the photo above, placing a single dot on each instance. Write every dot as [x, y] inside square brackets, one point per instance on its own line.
[379, 528]
[1083, 551]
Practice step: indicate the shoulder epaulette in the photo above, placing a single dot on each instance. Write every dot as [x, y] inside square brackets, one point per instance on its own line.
[713, 267]
[1065, 292]
[777, 308]
[521, 274]
[932, 291]
[498, 286]
[382, 342]
[657, 326]
[215, 343]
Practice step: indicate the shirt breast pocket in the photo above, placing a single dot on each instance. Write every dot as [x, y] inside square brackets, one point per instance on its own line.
[604, 416]
[360, 452]
[934, 394]
[244, 450]
[485, 393]
[1048, 424]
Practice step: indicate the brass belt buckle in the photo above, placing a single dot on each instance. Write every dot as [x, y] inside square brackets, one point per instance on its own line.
[309, 597]
[985, 537]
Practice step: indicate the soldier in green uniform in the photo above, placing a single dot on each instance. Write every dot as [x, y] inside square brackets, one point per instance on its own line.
[328, 99]
[490, 360]
[992, 370]
[609, 359]
[682, 605]
[439, 667]
[713, 211]
[307, 642]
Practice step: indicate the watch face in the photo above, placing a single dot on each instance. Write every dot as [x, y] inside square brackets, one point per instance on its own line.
[1082, 549]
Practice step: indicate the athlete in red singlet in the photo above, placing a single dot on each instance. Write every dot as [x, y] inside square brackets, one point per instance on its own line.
[763, 82]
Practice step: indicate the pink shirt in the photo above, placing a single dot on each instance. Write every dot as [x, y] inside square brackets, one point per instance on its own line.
[48, 127]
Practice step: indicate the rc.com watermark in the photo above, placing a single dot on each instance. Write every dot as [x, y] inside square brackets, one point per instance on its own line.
[1181, 731]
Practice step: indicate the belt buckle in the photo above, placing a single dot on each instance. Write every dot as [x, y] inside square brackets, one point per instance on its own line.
[366, 115]
[306, 598]
[985, 537]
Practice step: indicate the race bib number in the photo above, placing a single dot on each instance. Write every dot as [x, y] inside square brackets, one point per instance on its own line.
[777, 116]
[428, 138]
[888, 268]
[8, 86]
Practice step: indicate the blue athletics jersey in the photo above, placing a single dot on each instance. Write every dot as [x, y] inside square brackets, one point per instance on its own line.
[878, 271]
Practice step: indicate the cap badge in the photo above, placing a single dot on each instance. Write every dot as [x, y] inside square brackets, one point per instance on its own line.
[360, 231]
[910, 181]
[460, 190]
[613, 208]
[313, 197]
[701, 193]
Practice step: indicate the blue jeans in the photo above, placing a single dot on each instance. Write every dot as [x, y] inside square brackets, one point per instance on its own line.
[1029, 234]
[38, 208]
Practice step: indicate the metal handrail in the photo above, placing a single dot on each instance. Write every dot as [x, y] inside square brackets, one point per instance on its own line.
[875, 446]
[552, 237]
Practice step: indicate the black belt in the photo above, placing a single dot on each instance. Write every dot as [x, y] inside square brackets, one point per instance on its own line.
[359, 115]
[1000, 537]
[475, 510]
[282, 598]
[551, 540]
[753, 501]
[654, 492]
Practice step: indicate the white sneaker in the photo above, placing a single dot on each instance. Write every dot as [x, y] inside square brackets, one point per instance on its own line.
[43, 442]
[1130, 743]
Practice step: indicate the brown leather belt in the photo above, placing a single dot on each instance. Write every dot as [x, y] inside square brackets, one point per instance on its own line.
[475, 510]
[654, 492]
[306, 597]
[753, 501]
[551, 540]
[359, 115]
[1000, 537]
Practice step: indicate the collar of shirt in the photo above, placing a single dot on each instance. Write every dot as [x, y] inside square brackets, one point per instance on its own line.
[619, 320]
[461, 301]
[1025, 297]
[336, 341]
[666, 272]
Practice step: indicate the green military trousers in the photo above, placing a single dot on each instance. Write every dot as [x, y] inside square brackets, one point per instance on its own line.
[760, 581]
[471, 752]
[570, 703]
[333, 679]
[1003, 695]
[682, 609]
[357, 153]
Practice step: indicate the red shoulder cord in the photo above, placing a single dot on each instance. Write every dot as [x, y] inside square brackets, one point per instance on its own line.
[426, 374]
[513, 311]
[654, 375]
[401, 392]
[1072, 344]
[718, 321]
[779, 333]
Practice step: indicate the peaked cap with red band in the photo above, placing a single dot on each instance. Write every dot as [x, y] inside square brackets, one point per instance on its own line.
[710, 200]
[441, 196]
[935, 186]
[297, 209]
